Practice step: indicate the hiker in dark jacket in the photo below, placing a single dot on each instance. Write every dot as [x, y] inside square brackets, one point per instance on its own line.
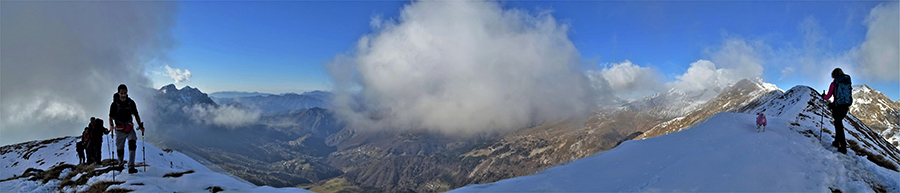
[843, 97]
[95, 144]
[120, 112]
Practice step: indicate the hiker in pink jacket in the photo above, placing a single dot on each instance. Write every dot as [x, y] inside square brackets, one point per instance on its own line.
[761, 121]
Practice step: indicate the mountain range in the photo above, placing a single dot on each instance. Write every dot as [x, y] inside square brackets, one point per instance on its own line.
[380, 160]
[309, 147]
[270, 103]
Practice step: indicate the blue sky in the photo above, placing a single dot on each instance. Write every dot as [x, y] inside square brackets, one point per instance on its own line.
[282, 46]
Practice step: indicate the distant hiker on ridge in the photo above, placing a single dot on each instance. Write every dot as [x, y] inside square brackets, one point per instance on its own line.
[842, 90]
[120, 112]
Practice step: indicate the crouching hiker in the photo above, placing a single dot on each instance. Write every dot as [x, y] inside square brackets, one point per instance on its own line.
[120, 112]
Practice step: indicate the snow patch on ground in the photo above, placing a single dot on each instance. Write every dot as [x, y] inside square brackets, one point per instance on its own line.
[62, 151]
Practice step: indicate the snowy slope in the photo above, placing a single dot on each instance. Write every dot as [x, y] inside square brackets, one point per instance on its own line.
[725, 153]
[47, 154]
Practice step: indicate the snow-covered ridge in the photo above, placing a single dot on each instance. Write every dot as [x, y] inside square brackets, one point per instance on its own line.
[47, 155]
[725, 153]
[804, 105]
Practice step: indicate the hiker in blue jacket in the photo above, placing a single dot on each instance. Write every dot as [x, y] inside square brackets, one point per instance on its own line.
[843, 98]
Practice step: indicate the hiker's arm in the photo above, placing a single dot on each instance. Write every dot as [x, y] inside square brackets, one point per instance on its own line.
[830, 91]
[112, 109]
[137, 117]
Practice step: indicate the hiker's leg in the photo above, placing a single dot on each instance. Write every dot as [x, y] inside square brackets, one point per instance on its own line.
[98, 155]
[89, 151]
[120, 145]
[132, 147]
[839, 114]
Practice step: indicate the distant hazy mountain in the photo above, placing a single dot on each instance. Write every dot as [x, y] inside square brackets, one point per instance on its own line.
[235, 94]
[282, 149]
[268, 103]
[673, 102]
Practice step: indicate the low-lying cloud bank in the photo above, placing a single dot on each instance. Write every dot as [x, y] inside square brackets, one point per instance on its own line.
[223, 115]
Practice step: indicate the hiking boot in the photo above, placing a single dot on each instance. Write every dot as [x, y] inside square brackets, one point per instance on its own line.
[131, 170]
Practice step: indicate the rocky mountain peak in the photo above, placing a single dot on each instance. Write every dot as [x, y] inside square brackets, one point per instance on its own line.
[878, 112]
[170, 95]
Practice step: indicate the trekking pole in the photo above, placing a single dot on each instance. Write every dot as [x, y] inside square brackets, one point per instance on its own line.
[822, 120]
[143, 149]
[111, 154]
[821, 125]
[108, 149]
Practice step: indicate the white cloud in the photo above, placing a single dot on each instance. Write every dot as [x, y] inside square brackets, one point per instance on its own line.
[178, 74]
[62, 61]
[734, 60]
[786, 71]
[628, 80]
[43, 109]
[462, 67]
[703, 75]
[740, 57]
[879, 55]
[226, 115]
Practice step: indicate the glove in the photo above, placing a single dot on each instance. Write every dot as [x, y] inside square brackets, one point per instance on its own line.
[141, 126]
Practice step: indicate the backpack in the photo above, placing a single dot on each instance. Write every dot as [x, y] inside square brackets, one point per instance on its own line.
[843, 91]
[86, 135]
